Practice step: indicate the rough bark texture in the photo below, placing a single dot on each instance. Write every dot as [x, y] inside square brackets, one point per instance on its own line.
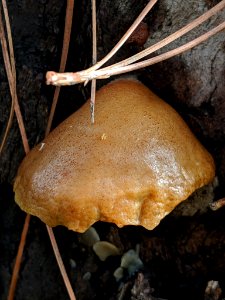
[184, 252]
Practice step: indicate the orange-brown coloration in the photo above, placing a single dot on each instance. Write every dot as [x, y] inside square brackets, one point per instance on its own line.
[140, 35]
[147, 163]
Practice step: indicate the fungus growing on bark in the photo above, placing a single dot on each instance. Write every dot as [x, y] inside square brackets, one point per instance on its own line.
[104, 249]
[132, 167]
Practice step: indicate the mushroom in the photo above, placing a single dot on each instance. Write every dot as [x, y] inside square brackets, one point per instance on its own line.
[89, 237]
[104, 249]
[131, 261]
[132, 167]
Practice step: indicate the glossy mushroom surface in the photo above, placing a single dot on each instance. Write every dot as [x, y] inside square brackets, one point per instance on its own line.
[132, 167]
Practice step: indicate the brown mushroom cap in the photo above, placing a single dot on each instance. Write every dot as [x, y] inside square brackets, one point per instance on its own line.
[132, 167]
